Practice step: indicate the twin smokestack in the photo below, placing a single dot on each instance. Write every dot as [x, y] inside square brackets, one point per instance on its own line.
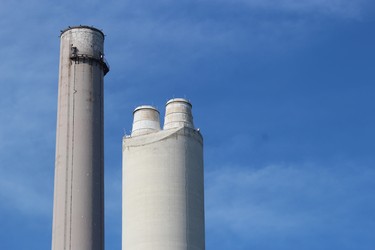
[163, 190]
[147, 118]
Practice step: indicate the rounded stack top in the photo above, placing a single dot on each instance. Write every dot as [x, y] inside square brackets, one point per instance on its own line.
[183, 100]
[146, 120]
[82, 27]
[178, 114]
[145, 107]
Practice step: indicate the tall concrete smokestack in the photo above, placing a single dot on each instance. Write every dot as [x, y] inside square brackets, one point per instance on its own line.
[78, 213]
[163, 197]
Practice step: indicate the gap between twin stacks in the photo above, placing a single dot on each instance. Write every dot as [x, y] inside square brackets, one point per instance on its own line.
[146, 118]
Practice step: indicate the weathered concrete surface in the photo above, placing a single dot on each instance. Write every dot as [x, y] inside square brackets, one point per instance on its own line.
[78, 216]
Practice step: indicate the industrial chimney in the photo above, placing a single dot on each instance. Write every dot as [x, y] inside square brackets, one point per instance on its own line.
[163, 190]
[78, 213]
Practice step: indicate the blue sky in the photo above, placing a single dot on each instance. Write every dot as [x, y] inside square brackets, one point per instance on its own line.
[283, 92]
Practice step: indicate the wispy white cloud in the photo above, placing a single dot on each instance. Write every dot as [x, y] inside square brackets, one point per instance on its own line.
[28, 195]
[333, 8]
[27, 131]
[277, 202]
[183, 33]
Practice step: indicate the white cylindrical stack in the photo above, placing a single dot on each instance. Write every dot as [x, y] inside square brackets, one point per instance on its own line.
[163, 190]
[146, 120]
[78, 214]
[178, 114]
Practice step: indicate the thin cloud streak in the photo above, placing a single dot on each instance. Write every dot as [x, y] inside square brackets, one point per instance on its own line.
[184, 37]
[334, 8]
[22, 193]
[290, 201]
